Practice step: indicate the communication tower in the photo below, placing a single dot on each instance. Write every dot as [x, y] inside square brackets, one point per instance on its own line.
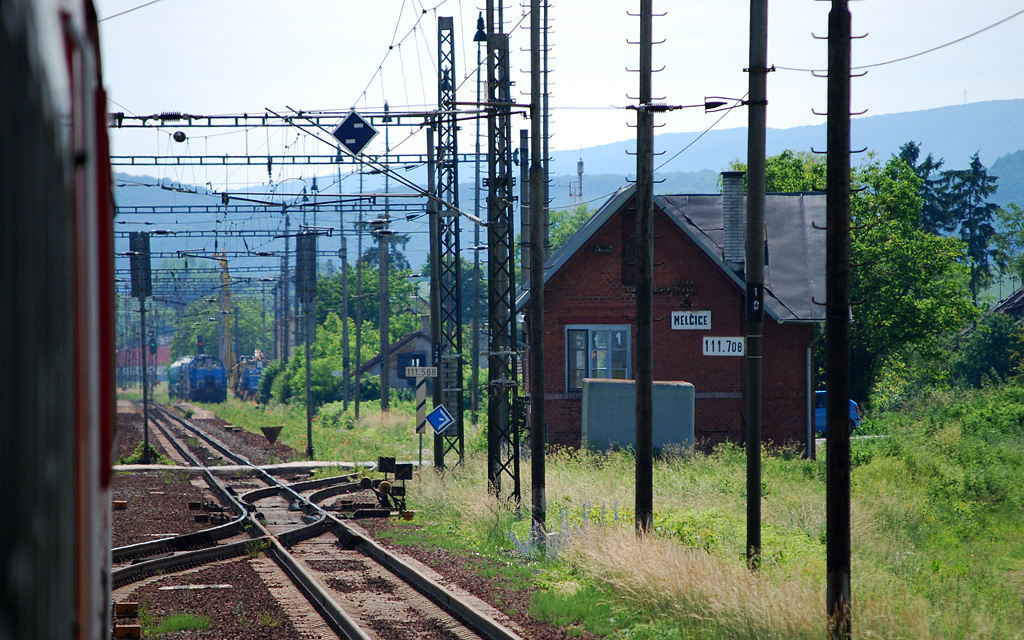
[576, 188]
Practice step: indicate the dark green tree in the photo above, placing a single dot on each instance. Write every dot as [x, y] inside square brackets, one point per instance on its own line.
[790, 172]
[564, 223]
[396, 252]
[465, 287]
[968, 193]
[935, 214]
[401, 298]
[991, 351]
[909, 285]
[1009, 241]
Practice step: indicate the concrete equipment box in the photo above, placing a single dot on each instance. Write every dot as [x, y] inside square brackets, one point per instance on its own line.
[609, 413]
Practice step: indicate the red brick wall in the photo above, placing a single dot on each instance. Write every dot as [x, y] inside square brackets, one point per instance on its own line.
[588, 289]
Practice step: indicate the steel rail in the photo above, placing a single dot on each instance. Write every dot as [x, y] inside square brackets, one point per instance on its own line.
[206, 537]
[277, 547]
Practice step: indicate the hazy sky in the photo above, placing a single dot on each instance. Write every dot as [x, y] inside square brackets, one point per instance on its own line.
[229, 56]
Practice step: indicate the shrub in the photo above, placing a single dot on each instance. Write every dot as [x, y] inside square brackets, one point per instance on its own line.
[270, 373]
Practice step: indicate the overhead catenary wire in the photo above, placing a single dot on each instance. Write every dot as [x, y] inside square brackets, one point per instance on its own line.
[383, 168]
[702, 134]
[914, 55]
[391, 47]
[145, 4]
[662, 165]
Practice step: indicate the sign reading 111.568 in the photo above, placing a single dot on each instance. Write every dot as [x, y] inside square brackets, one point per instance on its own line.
[723, 346]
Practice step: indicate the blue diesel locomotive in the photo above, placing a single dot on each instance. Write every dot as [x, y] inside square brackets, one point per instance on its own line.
[201, 378]
[248, 372]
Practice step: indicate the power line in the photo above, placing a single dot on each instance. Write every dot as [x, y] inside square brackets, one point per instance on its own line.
[703, 133]
[129, 11]
[920, 53]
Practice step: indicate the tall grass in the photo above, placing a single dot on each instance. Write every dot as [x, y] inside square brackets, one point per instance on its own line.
[931, 557]
[337, 434]
[937, 530]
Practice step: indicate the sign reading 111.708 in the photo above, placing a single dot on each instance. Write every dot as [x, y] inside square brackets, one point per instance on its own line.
[714, 346]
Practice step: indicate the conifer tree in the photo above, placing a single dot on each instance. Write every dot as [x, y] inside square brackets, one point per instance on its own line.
[967, 192]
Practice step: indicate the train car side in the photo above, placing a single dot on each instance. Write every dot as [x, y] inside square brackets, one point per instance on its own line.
[57, 342]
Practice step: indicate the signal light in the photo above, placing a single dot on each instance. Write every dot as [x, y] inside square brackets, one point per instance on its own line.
[199, 344]
[152, 342]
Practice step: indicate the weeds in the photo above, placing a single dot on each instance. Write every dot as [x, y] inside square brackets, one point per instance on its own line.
[136, 456]
[180, 622]
[935, 507]
[255, 548]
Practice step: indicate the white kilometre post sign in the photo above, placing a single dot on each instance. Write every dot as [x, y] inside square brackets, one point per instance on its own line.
[421, 374]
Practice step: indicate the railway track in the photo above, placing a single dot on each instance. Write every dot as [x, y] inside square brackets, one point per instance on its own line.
[357, 587]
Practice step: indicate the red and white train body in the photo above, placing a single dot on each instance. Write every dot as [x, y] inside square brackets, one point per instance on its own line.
[56, 323]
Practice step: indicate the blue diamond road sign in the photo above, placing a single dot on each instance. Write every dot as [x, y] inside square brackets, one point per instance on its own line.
[354, 133]
[440, 419]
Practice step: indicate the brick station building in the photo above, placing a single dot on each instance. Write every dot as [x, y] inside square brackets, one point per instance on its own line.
[590, 310]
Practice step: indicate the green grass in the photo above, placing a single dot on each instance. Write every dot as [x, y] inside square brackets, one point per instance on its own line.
[337, 435]
[136, 456]
[938, 535]
[179, 622]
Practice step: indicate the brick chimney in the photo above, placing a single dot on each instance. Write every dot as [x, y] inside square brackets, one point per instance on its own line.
[733, 209]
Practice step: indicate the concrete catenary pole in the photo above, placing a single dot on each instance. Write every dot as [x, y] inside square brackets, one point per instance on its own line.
[385, 318]
[480, 38]
[754, 264]
[346, 361]
[645, 281]
[285, 292]
[383, 268]
[145, 379]
[837, 324]
[359, 303]
[538, 203]
[435, 287]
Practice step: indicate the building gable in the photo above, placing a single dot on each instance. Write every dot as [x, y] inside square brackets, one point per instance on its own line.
[795, 252]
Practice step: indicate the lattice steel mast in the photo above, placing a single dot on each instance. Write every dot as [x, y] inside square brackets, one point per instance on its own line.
[449, 356]
[502, 432]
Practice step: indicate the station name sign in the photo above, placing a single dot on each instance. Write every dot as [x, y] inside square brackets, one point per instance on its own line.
[691, 320]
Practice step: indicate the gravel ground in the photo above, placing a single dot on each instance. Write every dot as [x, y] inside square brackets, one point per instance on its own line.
[157, 500]
[129, 432]
[157, 505]
[231, 594]
[253, 447]
[458, 568]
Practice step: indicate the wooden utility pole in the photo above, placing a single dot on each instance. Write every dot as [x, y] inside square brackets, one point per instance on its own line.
[837, 324]
[754, 265]
[645, 281]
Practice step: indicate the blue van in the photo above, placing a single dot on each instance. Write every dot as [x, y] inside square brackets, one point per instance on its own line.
[819, 413]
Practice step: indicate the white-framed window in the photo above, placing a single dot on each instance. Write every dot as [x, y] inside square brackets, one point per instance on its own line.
[596, 351]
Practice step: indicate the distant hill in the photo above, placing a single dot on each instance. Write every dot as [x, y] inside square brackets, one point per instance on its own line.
[1010, 171]
[995, 129]
[955, 133]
